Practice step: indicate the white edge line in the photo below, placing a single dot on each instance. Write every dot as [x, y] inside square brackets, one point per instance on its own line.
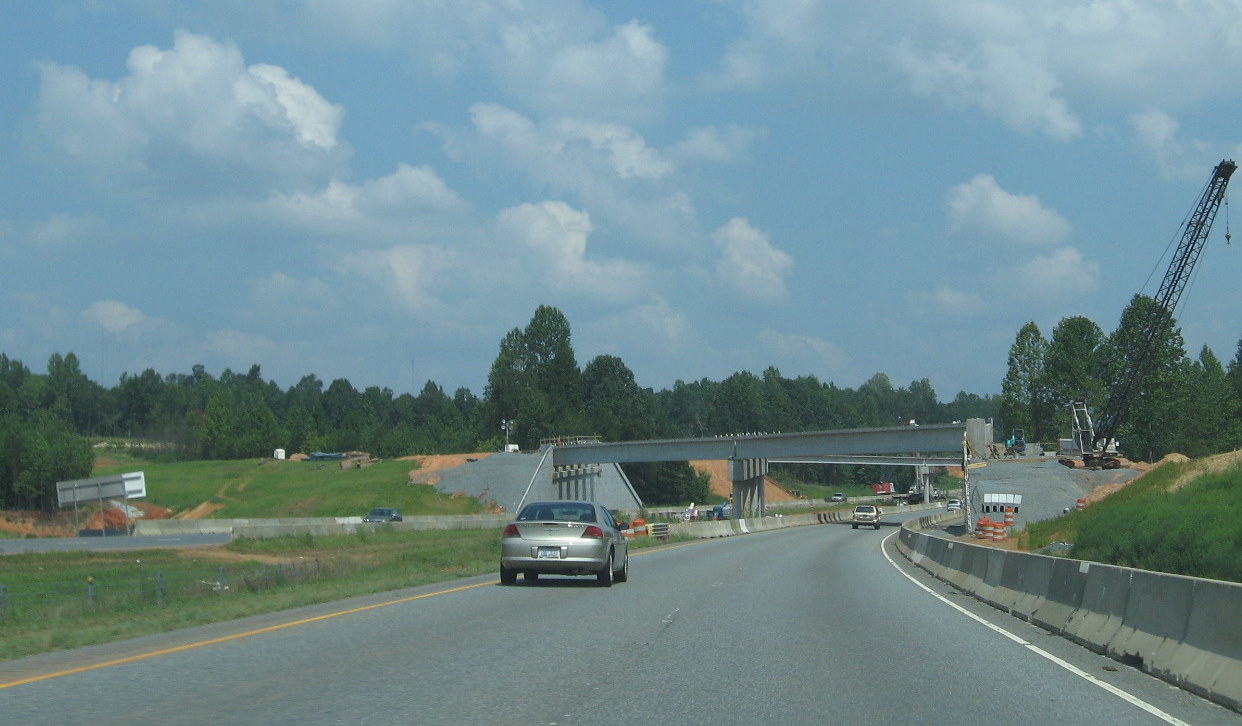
[1123, 695]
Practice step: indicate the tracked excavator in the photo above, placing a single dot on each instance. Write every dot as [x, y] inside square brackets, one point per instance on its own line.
[1098, 444]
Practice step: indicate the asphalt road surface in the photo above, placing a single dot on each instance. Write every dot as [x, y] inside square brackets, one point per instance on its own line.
[809, 625]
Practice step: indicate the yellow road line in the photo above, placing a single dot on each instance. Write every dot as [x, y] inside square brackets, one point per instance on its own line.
[235, 636]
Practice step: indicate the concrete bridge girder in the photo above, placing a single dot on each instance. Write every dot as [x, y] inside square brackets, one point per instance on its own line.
[892, 440]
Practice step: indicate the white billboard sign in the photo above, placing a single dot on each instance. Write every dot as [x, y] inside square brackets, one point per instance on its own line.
[128, 486]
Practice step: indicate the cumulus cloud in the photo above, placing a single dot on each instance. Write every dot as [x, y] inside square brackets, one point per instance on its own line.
[280, 296]
[194, 113]
[651, 333]
[1036, 68]
[980, 208]
[409, 193]
[556, 235]
[816, 355]
[711, 143]
[240, 349]
[953, 302]
[409, 272]
[605, 167]
[749, 264]
[559, 58]
[64, 229]
[620, 76]
[114, 316]
[569, 152]
[1000, 81]
[1061, 273]
[628, 154]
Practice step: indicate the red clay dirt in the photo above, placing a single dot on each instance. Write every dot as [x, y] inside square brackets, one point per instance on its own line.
[722, 486]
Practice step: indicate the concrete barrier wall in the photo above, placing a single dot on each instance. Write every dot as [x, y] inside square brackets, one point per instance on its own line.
[1181, 629]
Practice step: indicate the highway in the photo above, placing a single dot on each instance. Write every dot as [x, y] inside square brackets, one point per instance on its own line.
[810, 625]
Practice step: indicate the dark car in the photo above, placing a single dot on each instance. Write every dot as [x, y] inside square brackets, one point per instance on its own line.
[383, 514]
[564, 538]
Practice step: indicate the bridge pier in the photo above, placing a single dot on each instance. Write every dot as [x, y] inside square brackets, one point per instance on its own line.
[748, 492]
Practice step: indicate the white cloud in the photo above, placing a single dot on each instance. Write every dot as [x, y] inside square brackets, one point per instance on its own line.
[606, 168]
[629, 155]
[621, 76]
[568, 152]
[749, 264]
[981, 209]
[1155, 129]
[193, 116]
[64, 230]
[114, 316]
[408, 272]
[813, 354]
[654, 329]
[240, 349]
[409, 193]
[952, 302]
[1062, 273]
[282, 100]
[284, 298]
[710, 143]
[557, 236]
[559, 58]
[1038, 68]
[999, 80]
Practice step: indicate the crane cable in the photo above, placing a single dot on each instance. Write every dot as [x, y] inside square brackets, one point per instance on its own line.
[1228, 236]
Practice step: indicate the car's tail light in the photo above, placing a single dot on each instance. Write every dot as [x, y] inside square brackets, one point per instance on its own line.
[592, 532]
[511, 531]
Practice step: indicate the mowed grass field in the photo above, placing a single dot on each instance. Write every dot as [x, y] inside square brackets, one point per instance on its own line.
[56, 601]
[271, 488]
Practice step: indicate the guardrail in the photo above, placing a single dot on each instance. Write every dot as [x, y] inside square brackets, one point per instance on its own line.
[1180, 629]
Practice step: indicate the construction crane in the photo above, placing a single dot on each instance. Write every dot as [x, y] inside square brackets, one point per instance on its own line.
[1098, 444]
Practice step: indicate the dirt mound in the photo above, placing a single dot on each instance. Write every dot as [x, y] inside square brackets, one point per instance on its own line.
[1211, 465]
[430, 466]
[62, 524]
[722, 486]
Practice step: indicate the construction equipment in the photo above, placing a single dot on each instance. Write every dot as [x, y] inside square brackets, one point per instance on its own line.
[1099, 444]
[1015, 445]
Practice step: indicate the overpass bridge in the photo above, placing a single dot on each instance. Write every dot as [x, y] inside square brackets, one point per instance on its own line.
[588, 469]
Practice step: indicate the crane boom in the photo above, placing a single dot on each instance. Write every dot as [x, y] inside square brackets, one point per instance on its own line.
[1180, 268]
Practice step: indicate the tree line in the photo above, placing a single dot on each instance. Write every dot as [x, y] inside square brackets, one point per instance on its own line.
[1180, 404]
[535, 390]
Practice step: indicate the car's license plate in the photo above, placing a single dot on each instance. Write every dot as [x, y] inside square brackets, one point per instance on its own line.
[549, 553]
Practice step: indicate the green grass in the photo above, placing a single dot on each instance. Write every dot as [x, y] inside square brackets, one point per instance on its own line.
[1195, 530]
[46, 604]
[270, 488]
[46, 598]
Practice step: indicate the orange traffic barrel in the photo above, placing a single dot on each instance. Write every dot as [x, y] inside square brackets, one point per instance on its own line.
[983, 528]
[1082, 503]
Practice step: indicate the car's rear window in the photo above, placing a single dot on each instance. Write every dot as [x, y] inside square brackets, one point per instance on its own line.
[544, 512]
[865, 509]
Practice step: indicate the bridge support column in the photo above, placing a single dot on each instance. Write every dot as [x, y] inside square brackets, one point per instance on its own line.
[748, 495]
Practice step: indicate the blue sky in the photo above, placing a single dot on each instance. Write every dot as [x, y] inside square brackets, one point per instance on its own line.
[379, 191]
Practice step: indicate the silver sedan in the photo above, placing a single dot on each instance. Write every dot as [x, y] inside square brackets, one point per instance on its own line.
[564, 538]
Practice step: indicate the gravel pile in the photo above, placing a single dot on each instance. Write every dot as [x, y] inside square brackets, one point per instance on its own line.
[1047, 487]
